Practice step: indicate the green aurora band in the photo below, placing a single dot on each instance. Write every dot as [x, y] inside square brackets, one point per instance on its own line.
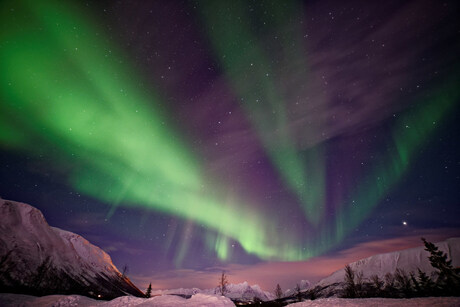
[250, 72]
[68, 95]
[410, 134]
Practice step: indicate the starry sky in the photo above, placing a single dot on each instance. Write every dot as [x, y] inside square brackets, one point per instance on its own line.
[276, 140]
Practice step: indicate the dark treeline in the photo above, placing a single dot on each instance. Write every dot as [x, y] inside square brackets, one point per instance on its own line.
[445, 281]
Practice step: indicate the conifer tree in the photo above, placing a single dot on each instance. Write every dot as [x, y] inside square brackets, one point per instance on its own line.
[278, 292]
[418, 289]
[148, 293]
[448, 280]
[403, 282]
[223, 282]
[298, 293]
[427, 286]
[350, 286]
[377, 285]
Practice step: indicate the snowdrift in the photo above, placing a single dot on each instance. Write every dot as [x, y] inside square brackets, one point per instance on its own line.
[202, 300]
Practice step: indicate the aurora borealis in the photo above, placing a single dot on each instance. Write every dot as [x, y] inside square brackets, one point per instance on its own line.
[188, 136]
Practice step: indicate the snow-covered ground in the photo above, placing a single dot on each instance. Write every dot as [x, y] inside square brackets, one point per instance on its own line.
[204, 300]
[387, 302]
[201, 300]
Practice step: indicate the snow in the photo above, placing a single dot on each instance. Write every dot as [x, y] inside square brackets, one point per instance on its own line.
[202, 300]
[205, 300]
[181, 291]
[16, 300]
[26, 240]
[86, 251]
[24, 228]
[387, 302]
[127, 301]
[303, 284]
[409, 260]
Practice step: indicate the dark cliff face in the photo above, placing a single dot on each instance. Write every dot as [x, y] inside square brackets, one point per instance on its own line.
[40, 260]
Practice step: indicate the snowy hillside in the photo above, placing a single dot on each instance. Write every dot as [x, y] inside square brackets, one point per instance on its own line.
[38, 259]
[408, 260]
[303, 285]
[242, 291]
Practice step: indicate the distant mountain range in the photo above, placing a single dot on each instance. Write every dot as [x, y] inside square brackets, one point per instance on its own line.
[242, 291]
[38, 259]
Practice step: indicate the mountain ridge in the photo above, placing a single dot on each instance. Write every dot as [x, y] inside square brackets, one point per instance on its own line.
[406, 260]
[38, 259]
[241, 291]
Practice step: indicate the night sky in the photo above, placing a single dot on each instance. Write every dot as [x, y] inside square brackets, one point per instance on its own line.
[277, 140]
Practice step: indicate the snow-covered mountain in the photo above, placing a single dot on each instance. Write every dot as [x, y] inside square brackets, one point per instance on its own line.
[242, 291]
[408, 260]
[38, 259]
[303, 285]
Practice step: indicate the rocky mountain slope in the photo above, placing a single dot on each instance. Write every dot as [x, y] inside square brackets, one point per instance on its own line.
[408, 260]
[38, 259]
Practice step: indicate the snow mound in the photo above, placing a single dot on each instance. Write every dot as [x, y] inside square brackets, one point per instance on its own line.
[123, 301]
[179, 291]
[201, 300]
[10, 300]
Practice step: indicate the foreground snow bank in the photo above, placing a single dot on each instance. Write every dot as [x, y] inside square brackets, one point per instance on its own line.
[202, 300]
[10, 300]
[387, 302]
